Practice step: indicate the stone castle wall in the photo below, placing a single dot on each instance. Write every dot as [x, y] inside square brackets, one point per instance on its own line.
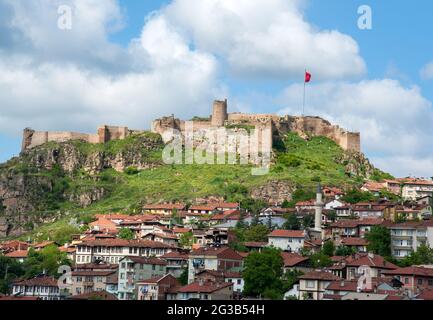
[304, 126]
[32, 138]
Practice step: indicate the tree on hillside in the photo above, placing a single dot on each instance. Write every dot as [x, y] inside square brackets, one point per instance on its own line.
[292, 222]
[285, 204]
[308, 221]
[186, 240]
[126, 234]
[257, 233]
[183, 279]
[47, 260]
[355, 196]
[379, 241]
[328, 248]
[175, 219]
[10, 270]
[320, 260]
[262, 274]
[343, 251]
[423, 255]
[332, 216]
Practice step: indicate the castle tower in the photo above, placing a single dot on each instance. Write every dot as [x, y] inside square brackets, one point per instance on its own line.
[219, 113]
[318, 209]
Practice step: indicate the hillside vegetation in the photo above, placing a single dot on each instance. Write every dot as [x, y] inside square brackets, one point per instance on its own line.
[77, 179]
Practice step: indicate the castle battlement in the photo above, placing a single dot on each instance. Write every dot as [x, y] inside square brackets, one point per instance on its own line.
[105, 133]
[304, 126]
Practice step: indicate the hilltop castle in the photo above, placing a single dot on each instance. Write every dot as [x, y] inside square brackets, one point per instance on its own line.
[279, 125]
[304, 126]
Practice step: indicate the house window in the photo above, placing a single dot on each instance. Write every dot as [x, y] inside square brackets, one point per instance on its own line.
[406, 280]
[310, 284]
[430, 282]
[420, 281]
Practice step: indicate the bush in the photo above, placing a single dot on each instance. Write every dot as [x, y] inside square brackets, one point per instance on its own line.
[132, 171]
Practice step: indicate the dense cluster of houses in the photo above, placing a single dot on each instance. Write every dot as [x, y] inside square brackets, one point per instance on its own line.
[151, 265]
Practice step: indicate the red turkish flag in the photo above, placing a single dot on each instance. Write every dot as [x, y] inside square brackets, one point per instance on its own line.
[307, 77]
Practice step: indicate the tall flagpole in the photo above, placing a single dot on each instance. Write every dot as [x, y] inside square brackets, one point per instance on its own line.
[303, 104]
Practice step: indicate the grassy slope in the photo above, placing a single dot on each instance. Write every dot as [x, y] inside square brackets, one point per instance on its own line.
[299, 161]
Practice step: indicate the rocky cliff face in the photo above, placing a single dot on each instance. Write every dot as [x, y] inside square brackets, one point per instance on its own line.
[33, 184]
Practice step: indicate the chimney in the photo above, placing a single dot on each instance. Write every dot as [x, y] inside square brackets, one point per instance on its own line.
[371, 255]
[342, 283]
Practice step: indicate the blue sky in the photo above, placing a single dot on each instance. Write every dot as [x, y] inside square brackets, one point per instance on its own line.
[383, 96]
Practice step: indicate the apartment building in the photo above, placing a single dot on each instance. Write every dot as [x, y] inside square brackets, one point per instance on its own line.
[413, 189]
[135, 269]
[408, 236]
[219, 259]
[113, 250]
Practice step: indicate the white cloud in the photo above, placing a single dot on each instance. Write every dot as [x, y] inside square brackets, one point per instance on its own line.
[427, 71]
[165, 76]
[75, 80]
[394, 121]
[266, 38]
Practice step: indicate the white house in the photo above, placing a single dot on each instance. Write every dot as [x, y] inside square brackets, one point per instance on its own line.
[287, 240]
[43, 287]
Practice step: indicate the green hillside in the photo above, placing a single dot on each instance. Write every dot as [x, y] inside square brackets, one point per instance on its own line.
[300, 162]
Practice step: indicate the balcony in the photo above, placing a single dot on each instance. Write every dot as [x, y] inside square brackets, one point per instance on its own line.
[401, 246]
[401, 236]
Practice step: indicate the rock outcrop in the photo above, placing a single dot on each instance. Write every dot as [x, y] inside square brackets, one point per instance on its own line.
[32, 184]
[274, 192]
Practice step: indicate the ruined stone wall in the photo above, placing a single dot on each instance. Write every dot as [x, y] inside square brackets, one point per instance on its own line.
[32, 138]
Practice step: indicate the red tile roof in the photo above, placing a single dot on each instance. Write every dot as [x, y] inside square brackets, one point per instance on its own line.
[96, 295]
[38, 281]
[292, 259]
[425, 295]
[220, 253]
[181, 230]
[308, 203]
[164, 206]
[144, 260]
[203, 208]
[371, 260]
[103, 223]
[17, 254]
[319, 275]
[226, 205]
[43, 244]
[354, 242]
[204, 287]
[287, 234]
[154, 280]
[411, 271]
[112, 216]
[343, 285]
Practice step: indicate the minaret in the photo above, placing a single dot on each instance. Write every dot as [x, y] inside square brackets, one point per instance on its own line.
[318, 209]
